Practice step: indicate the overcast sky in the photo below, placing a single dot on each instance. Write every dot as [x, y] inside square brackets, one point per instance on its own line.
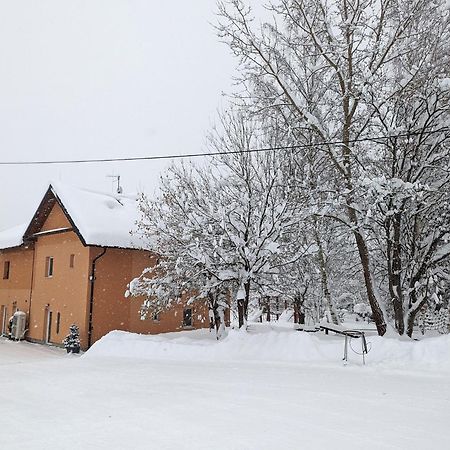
[103, 78]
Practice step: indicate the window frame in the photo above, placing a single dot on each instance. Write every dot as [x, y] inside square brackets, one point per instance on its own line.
[49, 266]
[6, 269]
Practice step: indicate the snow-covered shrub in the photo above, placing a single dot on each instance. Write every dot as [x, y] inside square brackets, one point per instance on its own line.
[72, 340]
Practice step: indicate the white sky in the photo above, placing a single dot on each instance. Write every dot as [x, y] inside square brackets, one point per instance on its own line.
[103, 78]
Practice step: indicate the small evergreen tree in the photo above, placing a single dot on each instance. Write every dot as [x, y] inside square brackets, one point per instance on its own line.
[72, 340]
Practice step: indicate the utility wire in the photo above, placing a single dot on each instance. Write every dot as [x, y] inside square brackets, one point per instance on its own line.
[197, 155]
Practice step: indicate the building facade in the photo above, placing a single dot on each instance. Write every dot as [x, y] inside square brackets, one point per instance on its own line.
[72, 265]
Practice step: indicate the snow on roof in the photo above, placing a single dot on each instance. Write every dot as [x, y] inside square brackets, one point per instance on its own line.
[12, 237]
[102, 219]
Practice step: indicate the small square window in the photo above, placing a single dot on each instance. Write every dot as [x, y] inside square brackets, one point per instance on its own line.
[49, 266]
[72, 261]
[6, 268]
[156, 317]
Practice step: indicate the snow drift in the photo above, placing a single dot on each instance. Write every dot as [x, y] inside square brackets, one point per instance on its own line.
[286, 346]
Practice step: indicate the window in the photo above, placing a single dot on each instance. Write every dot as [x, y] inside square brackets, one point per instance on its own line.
[6, 267]
[58, 322]
[156, 317]
[187, 317]
[49, 266]
[72, 261]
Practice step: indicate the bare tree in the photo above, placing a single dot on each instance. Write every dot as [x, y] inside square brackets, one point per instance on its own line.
[317, 66]
[219, 228]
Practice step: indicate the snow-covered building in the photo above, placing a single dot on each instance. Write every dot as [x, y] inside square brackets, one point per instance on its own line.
[72, 263]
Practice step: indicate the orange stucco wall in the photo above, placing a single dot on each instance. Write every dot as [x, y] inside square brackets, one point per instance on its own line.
[56, 219]
[112, 311]
[64, 294]
[15, 291]
[170, 320]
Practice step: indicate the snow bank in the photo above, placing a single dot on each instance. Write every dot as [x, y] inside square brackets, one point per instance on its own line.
[196, 346]
[273, 345]
[431, 352]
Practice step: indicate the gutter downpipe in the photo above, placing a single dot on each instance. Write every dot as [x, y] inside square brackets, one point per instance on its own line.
[91, 297]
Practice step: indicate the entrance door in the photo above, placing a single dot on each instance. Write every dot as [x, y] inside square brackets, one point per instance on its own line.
[4, 319]
[48, 334]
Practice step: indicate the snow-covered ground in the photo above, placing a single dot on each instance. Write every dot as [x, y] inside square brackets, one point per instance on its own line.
[271, 388]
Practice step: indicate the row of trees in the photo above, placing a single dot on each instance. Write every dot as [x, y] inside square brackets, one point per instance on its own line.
[353, 96]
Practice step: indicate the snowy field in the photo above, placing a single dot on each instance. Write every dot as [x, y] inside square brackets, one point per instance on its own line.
[267, 389]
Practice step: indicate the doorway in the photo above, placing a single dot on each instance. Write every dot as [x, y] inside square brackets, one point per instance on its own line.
[4, 319]
[48, 326]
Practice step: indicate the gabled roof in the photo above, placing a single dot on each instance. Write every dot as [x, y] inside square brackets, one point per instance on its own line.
[99, 219]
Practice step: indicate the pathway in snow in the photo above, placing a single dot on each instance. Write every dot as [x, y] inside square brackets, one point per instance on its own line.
[54, 401]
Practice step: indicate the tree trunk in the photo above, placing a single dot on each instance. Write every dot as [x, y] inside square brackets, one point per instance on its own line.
[299, 315]
[377, 313]
[413, 310]
[297, 310]
[219, 321]
[243, 305]
[246, 300]
[331, 312]
[363, 251]
[348, 113]
[410, 324]
[241, 308]
[296, 315]
[395, 277]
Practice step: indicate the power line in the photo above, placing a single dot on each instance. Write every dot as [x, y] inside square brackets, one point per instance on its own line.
[198, 155]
